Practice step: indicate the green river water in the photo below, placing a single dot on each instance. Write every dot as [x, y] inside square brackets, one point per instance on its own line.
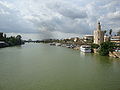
[44, 67]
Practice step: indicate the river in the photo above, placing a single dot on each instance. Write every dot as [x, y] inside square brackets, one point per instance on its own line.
[44, 67]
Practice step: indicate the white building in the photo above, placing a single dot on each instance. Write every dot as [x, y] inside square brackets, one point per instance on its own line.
[88, 37]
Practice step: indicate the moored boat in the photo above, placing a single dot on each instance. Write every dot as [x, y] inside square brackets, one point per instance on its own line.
[85, 48]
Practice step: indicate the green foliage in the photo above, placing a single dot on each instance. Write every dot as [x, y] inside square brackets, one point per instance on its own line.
[106, 47]
[110, 32]
[11, 41]
[95, 46]
[105, 31]
[14, 40]
[49, 40]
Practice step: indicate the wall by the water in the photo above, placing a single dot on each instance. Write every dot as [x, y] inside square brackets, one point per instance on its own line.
[114, 54]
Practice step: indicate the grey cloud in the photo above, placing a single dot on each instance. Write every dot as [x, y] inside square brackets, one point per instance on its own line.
[11, 21]
[106, 11]
[68, 10]
[63, 16]
[114, 16]
[74, 14]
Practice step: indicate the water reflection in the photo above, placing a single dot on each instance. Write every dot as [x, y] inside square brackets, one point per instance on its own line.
[104, 59]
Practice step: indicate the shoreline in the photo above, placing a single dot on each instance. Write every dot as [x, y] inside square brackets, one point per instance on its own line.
[4, 45]
[93, 50]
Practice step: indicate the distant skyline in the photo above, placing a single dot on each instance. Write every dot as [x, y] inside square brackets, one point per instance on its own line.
[58, 18]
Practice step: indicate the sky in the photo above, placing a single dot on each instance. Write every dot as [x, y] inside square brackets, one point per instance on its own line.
[42, 19]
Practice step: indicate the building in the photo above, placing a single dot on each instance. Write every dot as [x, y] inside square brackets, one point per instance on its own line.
[74, 39]
[98, 35]
[115, 39]
[88, 38]
[106, 38]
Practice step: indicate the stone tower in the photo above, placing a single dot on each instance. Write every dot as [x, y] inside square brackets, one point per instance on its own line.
[98, 35]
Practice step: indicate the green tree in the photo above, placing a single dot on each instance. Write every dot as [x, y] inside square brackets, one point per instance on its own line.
[18, 37]
[110, 32]
[18, 40]
[95, 46]
[105, 31]
[106, 47]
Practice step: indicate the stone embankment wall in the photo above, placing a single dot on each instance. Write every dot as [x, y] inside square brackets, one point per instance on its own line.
[114, 54]
[76, 48]
[95, 50]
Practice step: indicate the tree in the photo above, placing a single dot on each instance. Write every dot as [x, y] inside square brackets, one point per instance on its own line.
[110, 32]
[18, 37]
[106, 47]
[18, 40]
[96, 46]
[105, 31]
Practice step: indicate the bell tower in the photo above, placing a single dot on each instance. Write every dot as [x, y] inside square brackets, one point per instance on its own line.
[98, 26]
[98, 35]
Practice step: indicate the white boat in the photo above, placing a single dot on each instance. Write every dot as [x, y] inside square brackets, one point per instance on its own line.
[52, 44]
[85, 48]
[58, 44]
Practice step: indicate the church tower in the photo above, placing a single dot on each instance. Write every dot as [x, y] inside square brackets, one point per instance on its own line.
[98, 35]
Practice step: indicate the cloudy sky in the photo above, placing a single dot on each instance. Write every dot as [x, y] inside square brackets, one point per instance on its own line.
[58, 18]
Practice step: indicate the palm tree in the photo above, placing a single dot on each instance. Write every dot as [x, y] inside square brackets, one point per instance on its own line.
[105, 31]
[110, 32]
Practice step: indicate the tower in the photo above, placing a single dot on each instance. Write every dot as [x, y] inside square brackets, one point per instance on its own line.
[98, 26]
[98, 35]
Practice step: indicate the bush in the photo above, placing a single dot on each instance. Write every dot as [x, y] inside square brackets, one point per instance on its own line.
[95, 46]
[106, 47]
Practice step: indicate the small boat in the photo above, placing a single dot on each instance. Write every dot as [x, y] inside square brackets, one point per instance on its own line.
[52, 44]
[85, 48]
[63, 45]
[58, 44]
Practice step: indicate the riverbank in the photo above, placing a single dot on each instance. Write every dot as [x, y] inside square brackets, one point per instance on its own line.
[10, 41]
[3, 44]
[115, 54]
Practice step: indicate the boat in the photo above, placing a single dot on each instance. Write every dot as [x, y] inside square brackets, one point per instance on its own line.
[58, 44]
[85, 48]
[63, 45]
[52, 44]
